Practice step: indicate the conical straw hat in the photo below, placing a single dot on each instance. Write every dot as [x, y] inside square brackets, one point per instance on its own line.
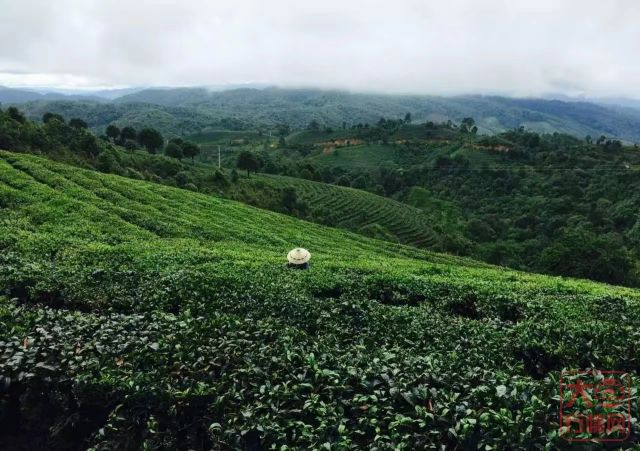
[298, 256]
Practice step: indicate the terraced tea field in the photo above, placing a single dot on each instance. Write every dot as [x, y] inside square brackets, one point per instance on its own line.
[135, 315]
[363, 157]
[360, 210]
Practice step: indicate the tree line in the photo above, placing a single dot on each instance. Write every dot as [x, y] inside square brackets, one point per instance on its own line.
[152, 140]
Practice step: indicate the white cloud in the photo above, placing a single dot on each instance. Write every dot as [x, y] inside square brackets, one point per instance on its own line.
[523, 47]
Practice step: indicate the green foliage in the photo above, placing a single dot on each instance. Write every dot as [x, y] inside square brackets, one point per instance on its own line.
[579, 252]
[291, 204]
[492, 114]
[247, 161]
[51, 116]
[107, 162]
[328, 204]
[65, 141]
[151, 139]
[190, 150]
[16, 114]
[220, 180]
[343, 180]
[351, 209]
[468, 125]
[510, 199]
[178, 112]
[89, 145]
[183, 178]
[77, 123]
[128, 133]
[152, 317]
[112, 132]
[173, 150]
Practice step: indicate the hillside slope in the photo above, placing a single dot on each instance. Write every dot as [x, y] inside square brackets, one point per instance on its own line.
[139, 315]
[172, 121]
[190, 110]
[344, 207]
[492, 113]
[355, 210]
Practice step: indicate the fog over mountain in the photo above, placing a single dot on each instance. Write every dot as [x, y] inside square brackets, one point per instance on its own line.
[573, 47]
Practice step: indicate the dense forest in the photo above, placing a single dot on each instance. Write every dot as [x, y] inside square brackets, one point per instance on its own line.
[550, 203]
[180, 111]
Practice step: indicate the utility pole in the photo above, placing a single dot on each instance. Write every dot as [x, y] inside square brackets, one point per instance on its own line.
[218, 156]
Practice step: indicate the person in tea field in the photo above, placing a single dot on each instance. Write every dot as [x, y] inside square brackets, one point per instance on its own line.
[298, 258]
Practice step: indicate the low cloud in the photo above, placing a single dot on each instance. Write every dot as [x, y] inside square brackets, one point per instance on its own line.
[573, 47]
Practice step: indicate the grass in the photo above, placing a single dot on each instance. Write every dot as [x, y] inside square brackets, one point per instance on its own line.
[142, 316]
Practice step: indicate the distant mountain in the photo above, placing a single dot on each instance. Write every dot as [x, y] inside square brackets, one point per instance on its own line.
[111, 94]
[10, 95]
[13, 95]
[177, 111]
[618, 104]
[492, 113]
[623, 102]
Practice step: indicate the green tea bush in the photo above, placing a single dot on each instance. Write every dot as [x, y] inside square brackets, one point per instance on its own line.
[136, 315]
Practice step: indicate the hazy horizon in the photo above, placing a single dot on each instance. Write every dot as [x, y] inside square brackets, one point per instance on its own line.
[109, 92]
[576, 48]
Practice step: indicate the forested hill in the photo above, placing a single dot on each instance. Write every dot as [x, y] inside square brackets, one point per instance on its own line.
[493, 114]
[190, 110]
[547, 203]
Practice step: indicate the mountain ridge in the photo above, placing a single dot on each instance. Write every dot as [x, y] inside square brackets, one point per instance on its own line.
[200, 107]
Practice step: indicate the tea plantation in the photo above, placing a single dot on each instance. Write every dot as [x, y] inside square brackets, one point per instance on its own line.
[135, 315]
[358, 210]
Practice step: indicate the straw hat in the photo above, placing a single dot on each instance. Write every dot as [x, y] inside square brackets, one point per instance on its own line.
[298, 256]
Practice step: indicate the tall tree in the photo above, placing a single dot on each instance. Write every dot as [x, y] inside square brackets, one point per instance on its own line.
[112, 132]
[151, 139]
[248, 161]
[174, 151]
[190, 150]
[89, 144]
[16, 114]
[127, 133]
[46, 117]
[78, 124]
[467, 124]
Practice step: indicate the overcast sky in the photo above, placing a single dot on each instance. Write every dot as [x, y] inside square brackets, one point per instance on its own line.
[517, 47]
